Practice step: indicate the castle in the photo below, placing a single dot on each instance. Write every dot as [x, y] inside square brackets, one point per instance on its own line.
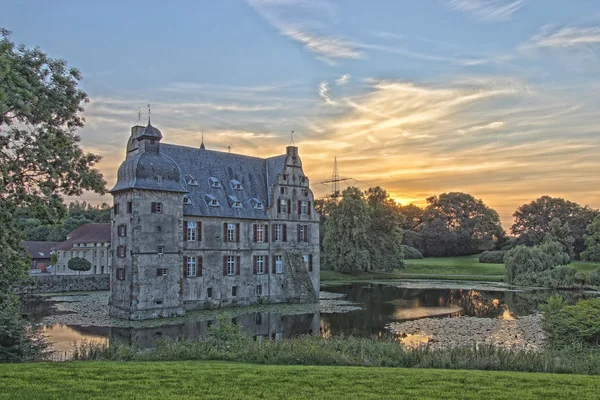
[195, 228]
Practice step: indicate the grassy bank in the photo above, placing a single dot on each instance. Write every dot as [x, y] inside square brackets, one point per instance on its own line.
[443, 268]
[206, 380]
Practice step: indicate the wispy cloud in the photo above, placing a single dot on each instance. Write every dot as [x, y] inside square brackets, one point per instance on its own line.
[488, 10]
[484, 127]
[323, 91]
[327, 48]
[567, 37]
[342, 80]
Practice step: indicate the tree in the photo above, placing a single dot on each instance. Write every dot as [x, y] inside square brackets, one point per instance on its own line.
[592, 241]
[79, 264]
[53, 258]
[561, 234]
[346, 241]
[40, 160]
[461, 224]
[532, 220]
[385, 234]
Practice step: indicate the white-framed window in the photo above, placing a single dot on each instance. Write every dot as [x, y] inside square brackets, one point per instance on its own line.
[191, 266]
[211, 200]
[231, 265]
[305, 256]
[192, 231]
[260, 233]
[160, 249]
[231, 232]
[304, 207]
[302, 233]
[259, 290]
[279, 232]
[278, 264]
[186, 199]
[260, 264]
[283, 206]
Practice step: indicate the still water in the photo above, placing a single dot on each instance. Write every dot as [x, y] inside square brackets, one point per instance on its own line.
[359, 309]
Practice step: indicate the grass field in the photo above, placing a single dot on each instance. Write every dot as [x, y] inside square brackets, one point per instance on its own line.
[444, 268]
[215, 380]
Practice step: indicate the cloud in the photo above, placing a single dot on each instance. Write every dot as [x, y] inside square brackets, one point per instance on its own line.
[490, 126]
[327, 48]
[342, 80]
[488, 10]
[323, 91]
[567, 37]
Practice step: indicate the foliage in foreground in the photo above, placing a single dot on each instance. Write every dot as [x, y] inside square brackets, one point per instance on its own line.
[578, 323]
[216, 380]
[226, 343]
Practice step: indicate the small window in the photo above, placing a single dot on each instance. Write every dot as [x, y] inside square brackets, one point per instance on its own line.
[305, 192]
[191, 266]
[209, 293]
[236, 185]
[129, 207]
[278, 264]
[231, 265]
[304, 207]
[234, 202]
[285, 177]
[192, 231]
[260, 264]
[158, 302]
[214, 182]
[259, 290]
[122, 251]
[116, 208]
[161, 272]
[231, 233]
[160, 249]
[258, 318]
[156, 207]
[190, 180]
[186, 199]
[303, 179]
[283, 190]
[256, 204]
[158, 229]
[211, 200]
[233, 291]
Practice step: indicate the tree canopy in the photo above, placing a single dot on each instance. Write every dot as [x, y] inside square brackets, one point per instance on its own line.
[592, 241]
[79, 264]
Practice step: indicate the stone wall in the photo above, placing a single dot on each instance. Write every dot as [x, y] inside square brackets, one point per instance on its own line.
[66, 283]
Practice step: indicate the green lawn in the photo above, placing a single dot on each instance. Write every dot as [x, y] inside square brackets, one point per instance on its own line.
[215, 380]
[444, 268]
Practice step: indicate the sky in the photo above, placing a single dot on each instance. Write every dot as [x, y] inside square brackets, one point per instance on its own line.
[497, 98]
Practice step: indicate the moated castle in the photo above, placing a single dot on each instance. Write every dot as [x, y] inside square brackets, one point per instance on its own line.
[195, 228]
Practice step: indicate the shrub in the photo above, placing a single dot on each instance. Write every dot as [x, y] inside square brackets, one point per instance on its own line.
[566, 324]
[410, 253]
[79, 264]
[594, 277]
[492, 257]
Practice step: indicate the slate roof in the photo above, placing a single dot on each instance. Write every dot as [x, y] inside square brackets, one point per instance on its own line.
[152, 171]
[39, 250]
[257, 176]
[88, 233]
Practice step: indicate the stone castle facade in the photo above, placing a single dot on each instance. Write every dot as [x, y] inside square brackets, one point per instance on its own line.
[195, 228]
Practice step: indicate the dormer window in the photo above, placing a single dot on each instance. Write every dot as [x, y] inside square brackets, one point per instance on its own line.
[256, 204]
[214, 183]
[237, 185]
[234, 202]
[186, 199]
[190, 180]
[211, 201]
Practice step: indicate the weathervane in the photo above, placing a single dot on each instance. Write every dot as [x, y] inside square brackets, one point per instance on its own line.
[149, 111]
[292, 138]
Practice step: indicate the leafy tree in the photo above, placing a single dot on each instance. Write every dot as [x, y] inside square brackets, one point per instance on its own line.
[532, 220]
[40, 160]
[592, 241]
[413, 216]
[460, 224]
[562, 234]
[79, 264]
[53, 258]
[385, 234]
[541, 265]
[346, 240]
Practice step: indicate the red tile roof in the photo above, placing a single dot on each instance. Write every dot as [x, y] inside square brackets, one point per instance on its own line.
[88, 233]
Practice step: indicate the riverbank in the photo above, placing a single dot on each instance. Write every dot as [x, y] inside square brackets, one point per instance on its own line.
[200, 380]
[441, 268]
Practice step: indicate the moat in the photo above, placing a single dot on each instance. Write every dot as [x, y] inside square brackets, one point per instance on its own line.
[359, 309]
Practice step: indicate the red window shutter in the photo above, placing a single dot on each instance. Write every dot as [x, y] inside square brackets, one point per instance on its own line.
[274, 264]
[309, 207]
[266, 265]
[289, 206]
[185, 263]
[225, 231]
[255, 232]
[285, 232]
[153, 207]
[237, 265]
[237, 233]
[274, 233]
[278, 206]
[224, 265]
[266, 234]
[299, 238]
[185, 231]
[199, 266]
[299, 207]
[255, 260]
[199, 231]
[310, 263]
